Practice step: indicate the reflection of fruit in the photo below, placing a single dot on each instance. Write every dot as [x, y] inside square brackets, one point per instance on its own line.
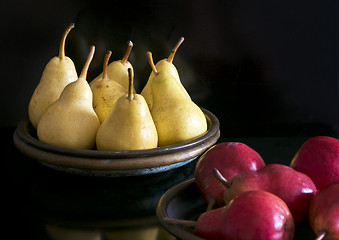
[318, 157]
[324, 212]
[71, 121]
[251, 215]
[295, 188]
[123, 233]
[141, 233]
[68, 233]
[176, 117]
[58, 72]
[230, 158]
[129, 125]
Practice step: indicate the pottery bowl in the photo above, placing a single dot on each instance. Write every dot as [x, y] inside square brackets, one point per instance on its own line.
[115, 163]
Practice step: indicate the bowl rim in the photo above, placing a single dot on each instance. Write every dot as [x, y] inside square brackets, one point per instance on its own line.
[24, 129]
[161, 210]
[115, 163]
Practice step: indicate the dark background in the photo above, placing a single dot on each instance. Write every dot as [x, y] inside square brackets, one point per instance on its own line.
[264, 68]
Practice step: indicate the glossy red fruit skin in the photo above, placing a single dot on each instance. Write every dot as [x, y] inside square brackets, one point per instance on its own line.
[318, 158]
[209, 224]
[324, 212]
[250, 216]
[230, 158]
[296, 189]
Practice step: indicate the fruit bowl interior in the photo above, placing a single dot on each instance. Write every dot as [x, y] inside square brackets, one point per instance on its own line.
[182, 201]
[115, 163]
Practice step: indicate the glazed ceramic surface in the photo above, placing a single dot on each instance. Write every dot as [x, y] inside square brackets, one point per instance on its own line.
[115, 163]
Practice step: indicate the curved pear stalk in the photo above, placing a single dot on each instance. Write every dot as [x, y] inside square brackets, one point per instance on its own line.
[84, 70]
[57, 74]
[130, 87]
[149, 57]
[104, 72]
[174, 50]
[221, 178]
[124, 60]
[63, 41]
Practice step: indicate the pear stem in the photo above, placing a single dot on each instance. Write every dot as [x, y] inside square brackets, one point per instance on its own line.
[106, 59]
[187, 223]
[211, 203]
[221, 178]
[151, 62]
[63, 41]
[174, 50]
[84, 70]
[321, 235]
[128, 52]
[130, 86]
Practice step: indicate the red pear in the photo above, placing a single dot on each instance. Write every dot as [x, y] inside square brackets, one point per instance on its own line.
[251, 216]
[295, 188]
[318, 157]
[324, 213]
[230, 158]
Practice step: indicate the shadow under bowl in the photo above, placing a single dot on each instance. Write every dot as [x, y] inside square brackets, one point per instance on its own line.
[115, 163]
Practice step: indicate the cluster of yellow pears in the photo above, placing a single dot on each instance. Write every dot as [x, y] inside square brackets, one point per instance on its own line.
[107, 113]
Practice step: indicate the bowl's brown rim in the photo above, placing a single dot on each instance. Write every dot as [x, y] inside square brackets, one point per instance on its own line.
[116, 164]
[24, 127]
[162, 207]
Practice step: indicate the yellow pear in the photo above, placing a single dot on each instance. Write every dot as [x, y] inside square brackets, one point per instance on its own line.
[58, 72]
[105, 92]
[176, 117]
[117, 70]
[164, 65]
[129, 126]
[71, 121]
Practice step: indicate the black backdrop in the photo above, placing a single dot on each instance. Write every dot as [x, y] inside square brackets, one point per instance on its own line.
[264, 68]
